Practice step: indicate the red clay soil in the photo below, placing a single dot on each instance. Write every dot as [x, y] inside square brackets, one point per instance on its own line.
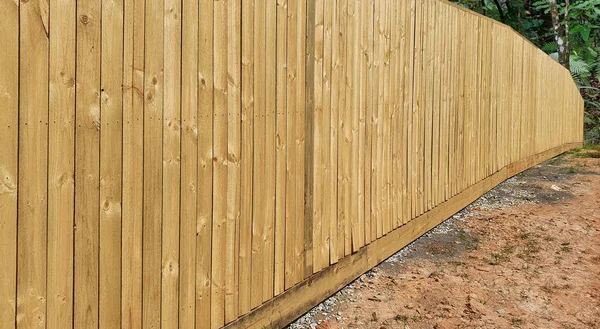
[530, 265]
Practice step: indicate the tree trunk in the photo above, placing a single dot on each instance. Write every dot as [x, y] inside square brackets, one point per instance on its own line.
[559, 35]
[566, 36]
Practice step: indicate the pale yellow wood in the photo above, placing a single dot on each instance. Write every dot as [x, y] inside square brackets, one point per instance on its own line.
[455, 101]
[377, 119]
[189, 164]
[111, 151]
[171, 161]
[397, 33]
[327, 232]
[385, 94]
[234, 160]
[408, 106]
[416, 106]
[259, 215]
[220, 164]
[205, 165]
[464, 102]
[133, 140]
[428, 88]
[9, 121]
[370, 226]
[437, 91]
[61, 160]
[303, 247]
[290, 195]
[351, 124]
[153, 164]
[281, 148]
[423, 91]
[344, 135]
[270, 146]
[87, 160]
[318, 140]
[33, 160]
[444, 43]
[245, 262]
[362, 23]
[334, 241]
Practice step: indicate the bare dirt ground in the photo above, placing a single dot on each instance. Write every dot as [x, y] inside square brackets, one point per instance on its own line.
[525, 255]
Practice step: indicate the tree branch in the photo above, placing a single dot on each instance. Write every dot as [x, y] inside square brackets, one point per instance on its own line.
[502, 17]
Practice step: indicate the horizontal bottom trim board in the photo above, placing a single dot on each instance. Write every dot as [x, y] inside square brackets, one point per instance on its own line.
[294, 302]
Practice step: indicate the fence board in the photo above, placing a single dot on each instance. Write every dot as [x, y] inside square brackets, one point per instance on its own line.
[281, 148]
[291, 225]
[133, 143]
[334, 242]
[111, 138]
[171, 164]
[247, 61]
[33, 161]
[220, 165]
[205, 165]
[233, 160]
[61, 132]
[9, 121]
[189, 164]
[153, 165]
[87, 158]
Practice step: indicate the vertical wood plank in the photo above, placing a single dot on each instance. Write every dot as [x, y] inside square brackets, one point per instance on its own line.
[437, 91]
[309, 131]
[290, 194]
[247, 93]
[234, 157]
[370, 226]
[334, 242]
[133, 140]
[189, 163]
[351, 125]
[87, 157]
[281, 149]
[33, 170]
[377, 119]
[408, 106]
[304, 227]
[111, 138]
[153, 164]
[61, 159]
[416, 105]
[220, 164]
[328, 189]
[362, 24]
[429, 90]
[343, 138]
[270, 147]
[9, 134]
[259, 178]
[385, 92]
[205, 164]
[317, 142]
[171, 161]
[396, 128]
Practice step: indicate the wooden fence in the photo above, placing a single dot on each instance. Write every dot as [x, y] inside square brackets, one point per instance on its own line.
[198, 163]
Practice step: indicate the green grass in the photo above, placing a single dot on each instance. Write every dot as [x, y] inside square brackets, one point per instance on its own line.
[587, 151]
